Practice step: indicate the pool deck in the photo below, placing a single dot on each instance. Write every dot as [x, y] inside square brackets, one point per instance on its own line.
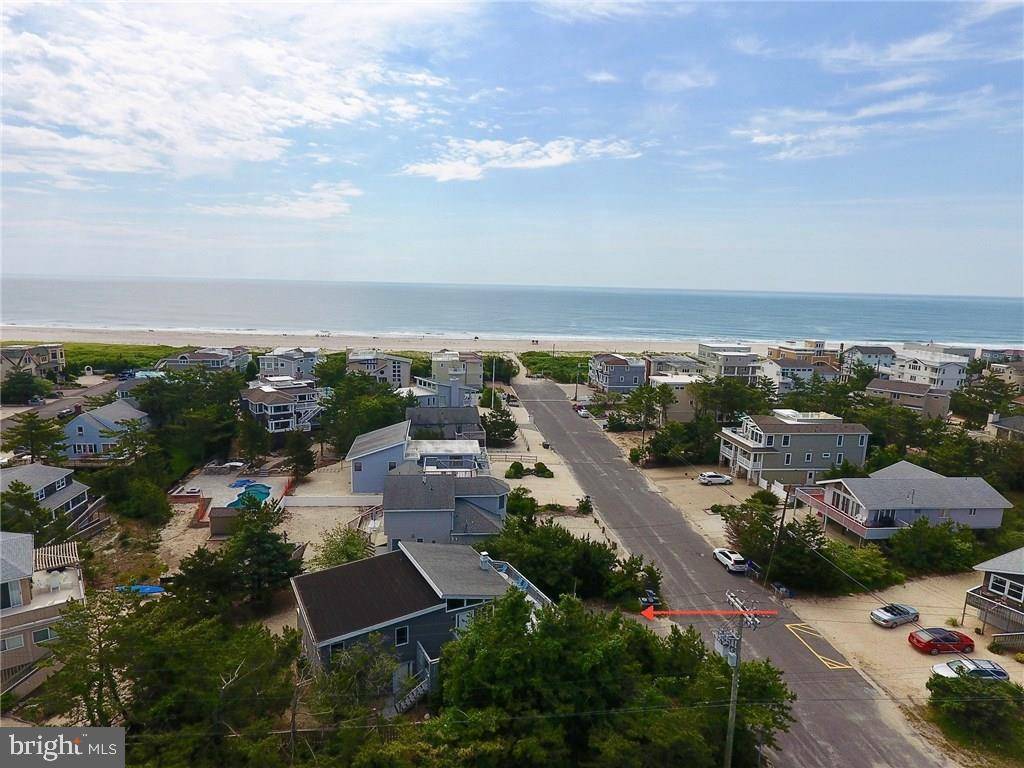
[217, 487]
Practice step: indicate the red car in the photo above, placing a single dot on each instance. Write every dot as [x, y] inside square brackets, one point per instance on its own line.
[936, 640]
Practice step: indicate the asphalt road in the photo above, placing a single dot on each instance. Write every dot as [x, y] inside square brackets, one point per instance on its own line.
[51, 407]
[842, 719]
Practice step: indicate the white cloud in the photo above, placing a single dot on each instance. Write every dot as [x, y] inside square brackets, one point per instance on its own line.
[324, 200]
[894, 84]
[751, 45]
[679, 80]
[132, 88]
[471, 159]
[610, 10]
[602, 77]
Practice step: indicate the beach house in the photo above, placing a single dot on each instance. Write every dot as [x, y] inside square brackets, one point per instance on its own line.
[791, 447]
[415, 598]
[616, 373]
[784, 372]
[47, 360]
[213, 358]
[938, 370]
[393, 370]
[441, 508]
[283, 403]
[467, 367]
[999, 599]
[91, 436]
[684, 408]
[735, 360]
[297, 362]
[55, 488]
[875, 357]
[877, 506]
[921, 398]
[809, 350]
[35, 584]
[460, 423]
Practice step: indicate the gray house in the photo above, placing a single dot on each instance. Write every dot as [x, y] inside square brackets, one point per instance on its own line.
[375, 454]
[387, 368]
[84, 436]
[297, 362]
[447, 423]
[214, 358]
[53, 487]
[917, 397]
[1000, 596]
[442, 508]
[615, 373]
[416, 598]
[791, 447]
[876, 507]
[878, 357]
[452, 392]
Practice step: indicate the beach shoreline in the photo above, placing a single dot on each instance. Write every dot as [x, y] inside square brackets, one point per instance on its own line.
[336, 342]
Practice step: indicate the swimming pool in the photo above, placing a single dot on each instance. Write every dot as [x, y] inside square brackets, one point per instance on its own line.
[258, 491]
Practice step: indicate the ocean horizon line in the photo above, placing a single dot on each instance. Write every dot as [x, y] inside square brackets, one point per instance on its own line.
[506, 286]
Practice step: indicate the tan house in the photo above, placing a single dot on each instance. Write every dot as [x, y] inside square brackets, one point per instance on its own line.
[808, 351]
[35, 584]
[684, 408]
[37, 359]
[920, 398]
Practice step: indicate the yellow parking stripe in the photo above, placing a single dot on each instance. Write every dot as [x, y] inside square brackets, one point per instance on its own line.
[799, 630]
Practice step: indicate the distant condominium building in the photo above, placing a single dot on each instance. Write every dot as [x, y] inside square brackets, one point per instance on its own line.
[875, 357]
[943, 349]
[809, 350]
[467, 367]
[919, 398]
[791, 447]
[671, 364]
[936, 369]
[284, 404]
[384, 367]
[734, 360]
[214, 358]
[297, 362]
[616, 373]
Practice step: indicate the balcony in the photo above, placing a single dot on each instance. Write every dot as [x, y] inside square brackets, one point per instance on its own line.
[995, 609]
[734, 436]
[814, 497]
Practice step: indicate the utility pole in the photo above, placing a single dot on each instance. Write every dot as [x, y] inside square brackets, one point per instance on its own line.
[576, 393]
[494, 368]
[748, 619]
[778, 535]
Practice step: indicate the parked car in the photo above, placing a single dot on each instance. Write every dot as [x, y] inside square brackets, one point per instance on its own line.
[893, 615]
[35, 400]
[734, 562]
[714, 478]
[63, 413]
[649, 598]
[983, 669]
[584, 413]
[936, 640]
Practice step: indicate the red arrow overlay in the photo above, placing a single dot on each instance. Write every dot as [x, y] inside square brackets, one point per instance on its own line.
[649, 613]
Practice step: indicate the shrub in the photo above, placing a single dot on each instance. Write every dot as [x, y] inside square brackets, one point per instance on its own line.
[515, 471]
[952, 621]
[925, 548]
[993, 708]
[585, 506]
[996, 647]
[540, 469]
[635, 455]
[145, 501]
[765, 497]
[561, 368]
[1019, 658]
[866, 564]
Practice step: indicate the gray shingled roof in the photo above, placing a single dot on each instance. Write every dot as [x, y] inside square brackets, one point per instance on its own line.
[454, 570]
[423, 492]
[771, 424]
[35, 476]
[872, 350]
[378, 440]
[925, 493]
[1011, 422]
[904, 470]
[1010, 562]
[481, 485]
[112, 414]
[422, 416]
[64, 495]
[16, 555]
[903, 387]
[469, 518]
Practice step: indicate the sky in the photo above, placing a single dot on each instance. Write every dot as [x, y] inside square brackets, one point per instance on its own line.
[850, 147]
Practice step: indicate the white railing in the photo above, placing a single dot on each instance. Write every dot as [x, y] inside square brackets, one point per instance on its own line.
[408, 701]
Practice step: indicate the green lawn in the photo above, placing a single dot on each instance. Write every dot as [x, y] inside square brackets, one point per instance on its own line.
[560, 367]
[112, 357]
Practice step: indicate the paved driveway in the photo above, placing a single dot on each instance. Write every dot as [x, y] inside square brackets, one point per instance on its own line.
[51, 407]
[842, 720]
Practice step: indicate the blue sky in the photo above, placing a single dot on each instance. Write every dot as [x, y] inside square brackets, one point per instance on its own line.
[849, 147]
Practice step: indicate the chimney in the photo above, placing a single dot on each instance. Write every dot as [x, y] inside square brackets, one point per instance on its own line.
[78, 408]
[993, 418]
[485, 561]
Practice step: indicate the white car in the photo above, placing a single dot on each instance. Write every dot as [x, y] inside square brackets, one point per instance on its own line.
[734, 562]
[584, 413]
[983, 669]
[714, 478]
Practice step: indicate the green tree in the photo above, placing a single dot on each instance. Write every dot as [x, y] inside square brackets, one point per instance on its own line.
[724, 397]
[144, 501]
[846, 469]
[504, 368]
[975, 401]
[359, 404]
[992, 708]
[262, 558]
[21, 386]
[665, 398]
[925, 548]
[331, 369]
[500, 426]
[340, 545]
[359, 675]
[643, 404]
[252, 370]
[299, 457]
[43, 439]
[206, 582]
[750, 528]
[685, 443]
[21, 513]
[132, 442]
[253, 440]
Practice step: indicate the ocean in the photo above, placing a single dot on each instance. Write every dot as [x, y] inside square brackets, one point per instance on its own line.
[512, 312]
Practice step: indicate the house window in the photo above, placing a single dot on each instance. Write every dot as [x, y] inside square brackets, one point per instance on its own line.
[61, 483]
[12, 643]
[501, 502]
[789, 459]
[769, 440]
[42, 635]
[10, 594]
[862, 440]
[392, 465]
[80, 430]
[40, 494]
[972, 512]
[839, 458]
[807, 457]
[401, 636]
[357, 466]
[636, 379]
[826, 455]
[839, 441]
[785, 441]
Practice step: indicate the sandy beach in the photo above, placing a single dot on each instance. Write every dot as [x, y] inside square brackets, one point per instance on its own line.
[337, 342]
